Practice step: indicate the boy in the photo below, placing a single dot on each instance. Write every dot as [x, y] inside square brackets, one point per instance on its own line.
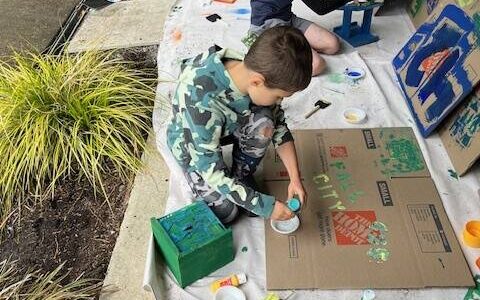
[270, 13]
[221, 97]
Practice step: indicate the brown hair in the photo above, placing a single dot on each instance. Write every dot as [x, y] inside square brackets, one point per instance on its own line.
[283, 56]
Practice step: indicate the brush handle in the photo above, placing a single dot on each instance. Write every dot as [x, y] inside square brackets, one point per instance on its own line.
[309, 114]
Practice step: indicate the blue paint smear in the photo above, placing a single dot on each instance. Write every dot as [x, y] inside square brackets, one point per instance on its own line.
[429, 39]
[353, 74]
[241, 11]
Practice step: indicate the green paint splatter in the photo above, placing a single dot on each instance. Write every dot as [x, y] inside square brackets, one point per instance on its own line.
[476, 19]
[336, 77]
[338, 206]
[244, 249]
[377, 225]
[453, 174]
[377, 235]
[415, 7]
[378, 255]
[474, 293]
[405, 156]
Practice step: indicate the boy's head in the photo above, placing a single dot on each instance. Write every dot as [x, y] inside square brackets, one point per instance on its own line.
[280, 64]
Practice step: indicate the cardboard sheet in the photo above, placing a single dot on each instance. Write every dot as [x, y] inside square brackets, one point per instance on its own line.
[356, 178]
[439, 66]
[460, 133]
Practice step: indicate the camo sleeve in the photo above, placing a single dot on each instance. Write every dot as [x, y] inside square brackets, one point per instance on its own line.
[282, 134]
[203, 145]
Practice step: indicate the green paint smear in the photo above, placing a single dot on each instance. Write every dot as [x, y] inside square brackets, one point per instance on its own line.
[453, 174]
[245, 249]
[336, 77]
[476, 19]
[415, 7]
[378, 255]
[377, 225]
[405, 157]
[474, 293]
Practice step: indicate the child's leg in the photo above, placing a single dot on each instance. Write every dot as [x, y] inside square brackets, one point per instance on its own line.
[254, 135]
[322, 40]
[318, 63]
[225, 210]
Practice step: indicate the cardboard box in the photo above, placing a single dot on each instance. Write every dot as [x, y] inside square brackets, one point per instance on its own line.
[460, 133]
[419, 10]
[193, 242]
[439, 66]
[374, 218]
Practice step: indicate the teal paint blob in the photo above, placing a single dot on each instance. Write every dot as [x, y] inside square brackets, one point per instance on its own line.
[293, 204]
[244, 249]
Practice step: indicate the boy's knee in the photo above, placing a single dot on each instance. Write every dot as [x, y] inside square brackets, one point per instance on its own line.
[318, 64]
[267, 131]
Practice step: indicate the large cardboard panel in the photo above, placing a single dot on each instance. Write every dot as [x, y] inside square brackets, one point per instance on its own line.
[439, 65]
[460, 133]
[355, 177]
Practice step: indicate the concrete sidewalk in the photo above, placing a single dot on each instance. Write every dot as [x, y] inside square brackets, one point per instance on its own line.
[147, 199]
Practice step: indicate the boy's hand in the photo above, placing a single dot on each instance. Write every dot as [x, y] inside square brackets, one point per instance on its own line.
[296, 188]
[281, 212]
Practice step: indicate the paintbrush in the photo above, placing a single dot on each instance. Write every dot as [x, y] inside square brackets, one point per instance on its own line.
[320, 104]
[333, 90]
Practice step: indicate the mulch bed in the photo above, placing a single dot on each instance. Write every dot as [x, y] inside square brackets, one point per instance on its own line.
[74, 227]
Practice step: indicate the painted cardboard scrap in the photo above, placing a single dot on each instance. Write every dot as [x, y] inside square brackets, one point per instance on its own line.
[419, 10]
[439, 66]
[460, 133]
[373, 220]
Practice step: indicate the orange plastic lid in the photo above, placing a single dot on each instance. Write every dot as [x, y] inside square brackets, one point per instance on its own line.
[471, 234]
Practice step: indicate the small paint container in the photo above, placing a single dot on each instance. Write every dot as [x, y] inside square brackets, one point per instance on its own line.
[355, 115]
[354, 74]
[287, 226]
[230, 293]
[471, 234]
[294, 204]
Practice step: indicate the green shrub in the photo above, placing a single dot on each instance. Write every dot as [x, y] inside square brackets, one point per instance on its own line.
[68, 115]
[38, 286]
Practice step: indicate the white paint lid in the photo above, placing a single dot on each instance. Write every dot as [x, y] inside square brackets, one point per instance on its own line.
[229, 293]
[354, 115]
[242, 278]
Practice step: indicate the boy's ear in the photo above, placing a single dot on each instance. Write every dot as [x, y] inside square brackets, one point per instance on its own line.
[256, 80]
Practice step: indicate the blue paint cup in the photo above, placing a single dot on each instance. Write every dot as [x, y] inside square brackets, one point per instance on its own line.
[294, 204]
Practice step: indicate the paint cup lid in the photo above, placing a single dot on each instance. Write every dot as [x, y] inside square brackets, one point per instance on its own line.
[355, 115]
[229, 293]
[471, 234]
[242, 278]
[293, 204]
[354, 73]
[287, 226]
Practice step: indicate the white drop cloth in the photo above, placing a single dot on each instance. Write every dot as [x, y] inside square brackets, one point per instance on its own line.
[377, 93]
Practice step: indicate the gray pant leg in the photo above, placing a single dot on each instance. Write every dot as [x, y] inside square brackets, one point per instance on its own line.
[251, 141]
[249, 148]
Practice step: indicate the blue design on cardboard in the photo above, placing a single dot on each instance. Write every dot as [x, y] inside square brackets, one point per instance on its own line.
[453, 32]
[467, 123]
[192, 226]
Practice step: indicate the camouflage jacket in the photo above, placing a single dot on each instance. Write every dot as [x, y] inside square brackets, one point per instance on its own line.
[207, 106]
